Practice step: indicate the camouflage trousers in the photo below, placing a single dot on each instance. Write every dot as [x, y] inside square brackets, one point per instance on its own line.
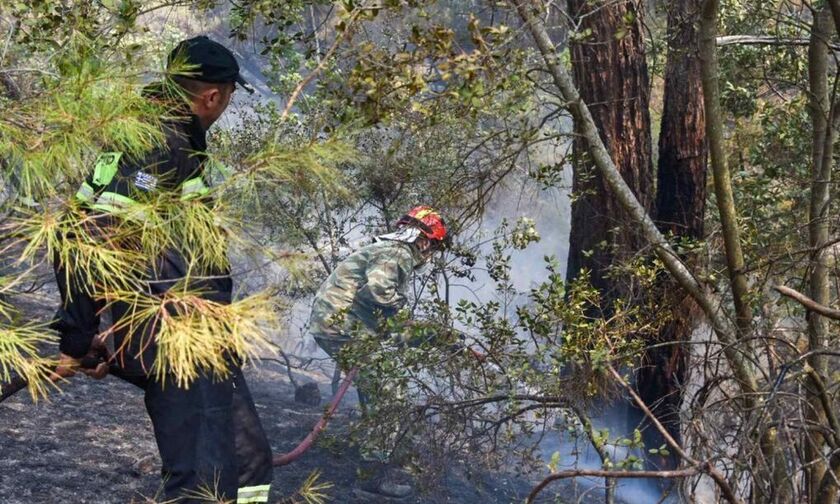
[333, 346]
[365, 386]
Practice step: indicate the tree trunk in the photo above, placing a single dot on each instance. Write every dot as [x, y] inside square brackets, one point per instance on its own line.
[818, 235]
[679, 211]
[611, 73]
[776, 485]
[707, 300]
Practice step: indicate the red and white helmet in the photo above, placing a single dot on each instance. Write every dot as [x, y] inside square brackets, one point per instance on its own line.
[427, 220]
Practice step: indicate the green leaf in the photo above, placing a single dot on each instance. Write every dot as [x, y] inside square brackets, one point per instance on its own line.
[554, 462]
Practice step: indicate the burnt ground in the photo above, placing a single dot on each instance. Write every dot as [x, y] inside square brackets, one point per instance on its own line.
[93, 443]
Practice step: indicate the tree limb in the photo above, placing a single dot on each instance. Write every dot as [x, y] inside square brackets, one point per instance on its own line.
[835, 13]
[709, 75]
[321, 65]
[808, 303]
[681, 473]
[822, 154]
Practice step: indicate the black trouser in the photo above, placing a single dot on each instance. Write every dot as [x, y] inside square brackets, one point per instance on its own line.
[210, 439]
[209, 435]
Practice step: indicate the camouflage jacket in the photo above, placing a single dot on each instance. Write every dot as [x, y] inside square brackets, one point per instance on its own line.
[365, 288]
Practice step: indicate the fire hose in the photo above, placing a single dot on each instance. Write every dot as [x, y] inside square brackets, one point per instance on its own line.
[300, 449]
[90, 362]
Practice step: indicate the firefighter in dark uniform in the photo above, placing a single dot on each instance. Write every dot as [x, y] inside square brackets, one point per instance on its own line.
[208, 434]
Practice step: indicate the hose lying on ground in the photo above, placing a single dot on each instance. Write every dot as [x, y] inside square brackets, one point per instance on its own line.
[287, 458]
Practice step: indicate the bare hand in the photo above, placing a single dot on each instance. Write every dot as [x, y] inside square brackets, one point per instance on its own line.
[67, 367]
[97, 373]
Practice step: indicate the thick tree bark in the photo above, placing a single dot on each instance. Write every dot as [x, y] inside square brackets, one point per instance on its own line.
[679, 211]
[611, 73]
[704, 297]
[681, 194]
[742, 369]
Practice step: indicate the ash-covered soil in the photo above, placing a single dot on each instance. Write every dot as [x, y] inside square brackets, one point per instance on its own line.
[92, 443]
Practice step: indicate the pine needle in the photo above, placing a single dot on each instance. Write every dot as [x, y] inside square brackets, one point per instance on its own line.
[19, 353]
[195, 335]
[312, 491]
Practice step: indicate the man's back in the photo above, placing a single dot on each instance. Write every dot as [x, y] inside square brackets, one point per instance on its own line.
[366, 286]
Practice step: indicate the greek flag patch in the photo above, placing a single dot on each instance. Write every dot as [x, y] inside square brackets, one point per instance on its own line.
[145, 181]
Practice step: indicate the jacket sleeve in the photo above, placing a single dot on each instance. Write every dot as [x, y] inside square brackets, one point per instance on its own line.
[387, 278]
[77, 319]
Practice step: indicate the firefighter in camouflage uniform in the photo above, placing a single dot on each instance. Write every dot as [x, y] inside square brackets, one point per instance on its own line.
[366, 288]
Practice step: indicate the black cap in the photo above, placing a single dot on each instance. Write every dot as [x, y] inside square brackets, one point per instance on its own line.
[208, 61]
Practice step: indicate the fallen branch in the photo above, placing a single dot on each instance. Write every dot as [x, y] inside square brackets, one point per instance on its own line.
[680, 473]
[808, 303]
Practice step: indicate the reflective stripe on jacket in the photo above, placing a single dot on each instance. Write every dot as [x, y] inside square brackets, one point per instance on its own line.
[118, 185]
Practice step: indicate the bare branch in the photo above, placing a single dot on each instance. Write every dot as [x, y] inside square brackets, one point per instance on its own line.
[321, 65]
[764, 40]
[709, 75]
[716, 475]
[808, 303]
[681, 473]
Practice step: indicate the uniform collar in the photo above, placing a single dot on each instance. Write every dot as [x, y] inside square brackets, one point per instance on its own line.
[186, 122]
[196, 133]
[189, 127]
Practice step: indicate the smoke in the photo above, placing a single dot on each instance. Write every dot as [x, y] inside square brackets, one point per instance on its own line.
[576, 452]
[519, 196]
[550, 208]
